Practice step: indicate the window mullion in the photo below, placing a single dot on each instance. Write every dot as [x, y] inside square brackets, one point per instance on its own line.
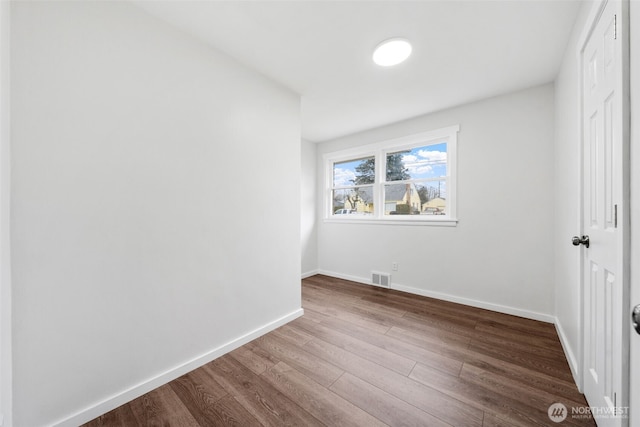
[380, 179]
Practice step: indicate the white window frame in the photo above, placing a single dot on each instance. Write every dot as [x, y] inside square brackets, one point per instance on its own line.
[380, 150]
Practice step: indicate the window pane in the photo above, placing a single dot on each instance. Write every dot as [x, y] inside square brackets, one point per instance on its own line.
[429, 161]
[433, 196]
[424, 198]
[401, 199]
[354, 172]
[358, 200]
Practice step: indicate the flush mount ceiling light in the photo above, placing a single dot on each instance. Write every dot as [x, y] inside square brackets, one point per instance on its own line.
[391, 52]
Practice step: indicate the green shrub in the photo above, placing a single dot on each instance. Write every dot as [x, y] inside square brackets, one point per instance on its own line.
[403, 209]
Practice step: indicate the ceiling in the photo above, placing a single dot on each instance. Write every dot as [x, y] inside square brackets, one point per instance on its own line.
[462, 51]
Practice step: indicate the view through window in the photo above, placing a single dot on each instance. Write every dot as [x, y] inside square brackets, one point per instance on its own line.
[412, 177]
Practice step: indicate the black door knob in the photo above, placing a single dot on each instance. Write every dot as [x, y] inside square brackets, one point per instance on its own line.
[635, 318]
[584, 240]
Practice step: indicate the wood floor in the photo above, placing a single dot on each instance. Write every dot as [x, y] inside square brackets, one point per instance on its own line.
[365, 356]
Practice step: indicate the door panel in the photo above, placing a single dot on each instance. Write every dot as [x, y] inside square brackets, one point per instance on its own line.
[602, 195]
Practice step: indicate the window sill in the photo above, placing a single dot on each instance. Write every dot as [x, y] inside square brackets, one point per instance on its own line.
[449, 222]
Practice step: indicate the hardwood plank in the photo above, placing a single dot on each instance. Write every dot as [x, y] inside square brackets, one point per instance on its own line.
[310, 314]
[484, 399]
[356, 304]
[443, 324]
[384, 406]
[463, 319]
[294, 335]
[409, 302]
[428, 399]
[543, 381]
[306, 362]
[319, 401]
[433, 333]
[561, 388]
[161, 407]
[384, 341]
[344, 315]
[229, 412]
[254, 357]
[199, 383]
[422, 305]
[345, 287]
[122, 416]
[525, 391]
[520, 392]
[535, 336]
[491, 420]
[383, 357]
[553, 367]
[532, 347]
[526, 326]
[449, 345]
[199, 392]
[257, 396]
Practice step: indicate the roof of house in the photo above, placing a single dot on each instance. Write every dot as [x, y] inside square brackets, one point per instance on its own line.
[396, 192]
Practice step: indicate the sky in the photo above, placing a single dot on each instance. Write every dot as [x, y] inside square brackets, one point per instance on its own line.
[424, 162]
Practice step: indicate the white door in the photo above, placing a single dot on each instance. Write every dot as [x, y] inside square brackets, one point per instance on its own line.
[634, 378]
[605, 315]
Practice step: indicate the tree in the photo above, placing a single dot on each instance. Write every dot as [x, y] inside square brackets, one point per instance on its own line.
[396, 171]
[353, 199]
[358, 195]
[366, 172]
[423, 192]
[395, 167]
[429, 192]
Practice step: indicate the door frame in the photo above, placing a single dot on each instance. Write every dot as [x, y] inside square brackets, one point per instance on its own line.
[624, 213]
[634, 43]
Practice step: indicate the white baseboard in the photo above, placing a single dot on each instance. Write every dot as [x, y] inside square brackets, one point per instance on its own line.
[534, 315]
[528, 314]
[138, 390]
[571, 357]
[310, 273]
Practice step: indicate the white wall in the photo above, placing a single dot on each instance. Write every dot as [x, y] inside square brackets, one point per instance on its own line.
[145, 235]
[568, 297]
[308, 226]
[498, 256]
[5, 262]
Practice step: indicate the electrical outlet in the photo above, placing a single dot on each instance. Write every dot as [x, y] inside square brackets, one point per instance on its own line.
[394, 266]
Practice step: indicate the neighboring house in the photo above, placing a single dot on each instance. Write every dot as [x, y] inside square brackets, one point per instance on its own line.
[401, 194]
[361, 201]
[360, 205]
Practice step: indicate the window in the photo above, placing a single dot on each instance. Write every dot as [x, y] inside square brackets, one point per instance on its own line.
[353, 182]
[410, 180]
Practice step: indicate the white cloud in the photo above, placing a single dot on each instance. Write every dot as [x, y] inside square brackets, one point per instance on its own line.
[415, 165]
[419, 170]
[433, 156]
[342, 177]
